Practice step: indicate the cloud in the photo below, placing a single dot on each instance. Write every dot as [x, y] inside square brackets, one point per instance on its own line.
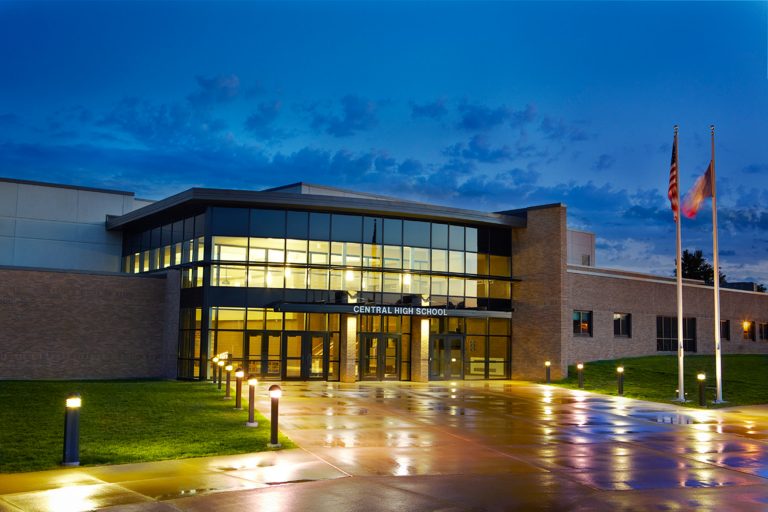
[478, 148]
[358, 114]
[756, 169]
[260, 122]
[435, 110]
[480, 118]
[559, 130]
[604, 162]
[219, 89]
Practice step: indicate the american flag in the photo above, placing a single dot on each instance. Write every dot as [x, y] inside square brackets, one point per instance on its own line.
[673, 193]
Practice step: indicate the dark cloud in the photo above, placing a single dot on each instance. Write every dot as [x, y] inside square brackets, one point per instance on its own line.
[173, 125]
[219, 89]
[358, 114]
[604, 162]
[478, 148]
[559, 130]
[522, 117]
[260, 122]
[756, 169]
[435, 110]
[480, 118]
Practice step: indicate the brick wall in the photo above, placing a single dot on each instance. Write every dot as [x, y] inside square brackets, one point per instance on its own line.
[540, 319]
[72, 325]
[605, 292]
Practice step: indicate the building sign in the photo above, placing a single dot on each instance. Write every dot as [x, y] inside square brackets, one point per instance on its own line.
[400, 310]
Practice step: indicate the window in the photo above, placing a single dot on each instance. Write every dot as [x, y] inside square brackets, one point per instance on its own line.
[762, 331]
[725, 329]
[582, 323]
[622, 325]
[666, 334]
[748, 330]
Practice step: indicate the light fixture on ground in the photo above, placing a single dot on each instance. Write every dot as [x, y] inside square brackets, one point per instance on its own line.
[702, 378]
[228, 391]
[580, 372]
[275, 392]
[620, 377]
[239, 374]
[72, 430]
[220, 364]
[214, 363]
[547, 368]
[252, 382]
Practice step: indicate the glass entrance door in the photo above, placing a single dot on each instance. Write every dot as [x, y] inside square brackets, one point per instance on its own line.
[264, 355]
[379, 356]
[446, 359]
[305, 356]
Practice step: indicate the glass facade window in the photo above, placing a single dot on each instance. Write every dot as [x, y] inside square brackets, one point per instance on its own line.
[416, 258]
[582, 323]
[392, 257]
[666, 334]
[263, 250]
[296, 251]
[439, 260]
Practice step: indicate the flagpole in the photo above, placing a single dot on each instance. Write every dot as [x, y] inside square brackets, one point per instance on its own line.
[680, 350]
[716, 278]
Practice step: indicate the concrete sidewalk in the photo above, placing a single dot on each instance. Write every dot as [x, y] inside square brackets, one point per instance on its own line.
[446, 446]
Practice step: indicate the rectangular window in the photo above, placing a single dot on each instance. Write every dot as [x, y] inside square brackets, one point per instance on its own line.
[725, 329]
[666, 334]
[393, 256]
[456, 262]
[296, 278]
[318, 253]
[762, 331]
[391, 282]
[748, 330]
[229, 248]
[582, 323]
[318, 279]
[439, 260]
[622, 325]
[296, 251]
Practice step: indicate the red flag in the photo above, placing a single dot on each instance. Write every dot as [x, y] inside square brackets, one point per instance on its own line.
[700, 190]
[673, 192]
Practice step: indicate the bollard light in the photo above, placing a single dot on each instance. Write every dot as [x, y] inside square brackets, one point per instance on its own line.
[620, 374]
[580, 372]
[547, 368]
[275, 392]
[221, 370]
[214, 363]
[228, 392]
[702, 378]
[252, 382]
[72, 430]
[239, 374]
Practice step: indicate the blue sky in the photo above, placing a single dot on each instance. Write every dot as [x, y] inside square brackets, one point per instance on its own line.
[490, 106]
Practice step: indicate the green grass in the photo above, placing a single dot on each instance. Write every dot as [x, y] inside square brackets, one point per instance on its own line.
[654, 378]
[122, 422]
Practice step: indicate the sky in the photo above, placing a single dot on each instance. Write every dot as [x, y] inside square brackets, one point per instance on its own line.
[480, 105]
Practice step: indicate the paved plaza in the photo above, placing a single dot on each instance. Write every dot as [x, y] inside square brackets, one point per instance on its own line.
[450, 446]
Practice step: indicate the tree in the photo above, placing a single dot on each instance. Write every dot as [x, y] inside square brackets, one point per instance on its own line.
[695, 266]
[760, 288]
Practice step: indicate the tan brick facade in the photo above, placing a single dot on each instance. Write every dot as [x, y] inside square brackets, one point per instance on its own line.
[605, 292]
[72, 325]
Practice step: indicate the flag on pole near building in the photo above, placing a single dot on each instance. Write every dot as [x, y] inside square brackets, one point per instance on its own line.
[701, 190]
[673, 195]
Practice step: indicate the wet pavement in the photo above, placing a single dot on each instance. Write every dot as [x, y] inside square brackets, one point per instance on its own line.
[463, 446]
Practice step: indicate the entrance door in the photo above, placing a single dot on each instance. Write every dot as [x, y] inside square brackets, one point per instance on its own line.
[264, 354]
[305, 356]
[379, 356]
[447, 357]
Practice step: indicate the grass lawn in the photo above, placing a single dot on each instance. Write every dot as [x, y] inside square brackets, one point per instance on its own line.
[654, 378]
[123, 421]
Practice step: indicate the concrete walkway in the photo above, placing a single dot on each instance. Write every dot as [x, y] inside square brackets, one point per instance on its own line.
[463, 446]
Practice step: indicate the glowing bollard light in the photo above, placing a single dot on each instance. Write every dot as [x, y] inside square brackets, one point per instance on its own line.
[580, 372]
[275, 392]
[620, 376]
[228, 391]
[214, 364]
[702, 377]
[252, 382]
[221, 370]
[239, 374]
[547, 368]
[72, 430]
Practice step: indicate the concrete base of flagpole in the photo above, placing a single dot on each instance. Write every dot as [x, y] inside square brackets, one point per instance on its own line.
[249, 424]
[719, 401]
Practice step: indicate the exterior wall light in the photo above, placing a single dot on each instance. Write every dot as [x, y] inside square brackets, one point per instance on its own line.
[275, 392]
[239, 374]
[580, 372]
[72, 430]
[252, 383]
